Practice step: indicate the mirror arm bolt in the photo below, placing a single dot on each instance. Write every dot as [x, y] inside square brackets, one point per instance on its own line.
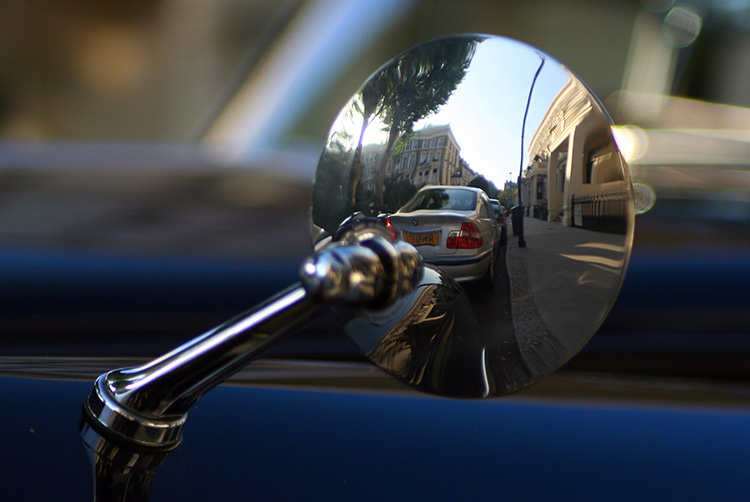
[374, 273]
[146, 406]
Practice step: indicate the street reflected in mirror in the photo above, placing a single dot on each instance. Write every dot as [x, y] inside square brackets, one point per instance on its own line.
[500, 167]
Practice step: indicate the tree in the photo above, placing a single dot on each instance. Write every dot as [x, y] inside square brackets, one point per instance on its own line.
[369, 104]
[329, 206]
[489, 187]
[507, 196]
[398, 191]
[416, 84]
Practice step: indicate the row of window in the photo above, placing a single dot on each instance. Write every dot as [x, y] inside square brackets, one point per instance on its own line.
[427, 176]
[426, 156]
[426, 143]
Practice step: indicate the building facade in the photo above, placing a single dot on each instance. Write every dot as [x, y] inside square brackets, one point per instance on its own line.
[430, 156]
[575, 163]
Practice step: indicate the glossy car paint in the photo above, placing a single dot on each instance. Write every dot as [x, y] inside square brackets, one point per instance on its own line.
[295, 434]
[331, 437]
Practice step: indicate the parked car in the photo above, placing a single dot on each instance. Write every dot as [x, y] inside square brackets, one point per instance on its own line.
[499, 211]
[453, 228]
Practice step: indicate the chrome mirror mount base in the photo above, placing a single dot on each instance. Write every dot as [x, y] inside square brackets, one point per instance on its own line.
[146, 406]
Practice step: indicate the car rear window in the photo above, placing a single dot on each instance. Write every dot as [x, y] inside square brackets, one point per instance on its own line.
[456, 200]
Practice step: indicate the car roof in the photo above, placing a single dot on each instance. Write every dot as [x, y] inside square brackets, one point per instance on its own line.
[450, 187]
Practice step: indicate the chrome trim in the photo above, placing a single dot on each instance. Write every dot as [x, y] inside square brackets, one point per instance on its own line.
[146, 406]
[129, 425]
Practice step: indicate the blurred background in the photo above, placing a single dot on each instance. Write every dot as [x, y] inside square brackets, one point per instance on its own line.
[157, 157]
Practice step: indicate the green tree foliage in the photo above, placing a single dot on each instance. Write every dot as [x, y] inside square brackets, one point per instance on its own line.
[330, 205]
[507, 197]
[489, 187]
[416, 84]
[409, 88]
[369, 104]
[398, 191]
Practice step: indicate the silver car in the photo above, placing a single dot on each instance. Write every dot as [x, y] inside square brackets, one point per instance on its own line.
[453, 228]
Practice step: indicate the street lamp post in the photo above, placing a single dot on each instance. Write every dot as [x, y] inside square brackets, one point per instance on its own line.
[518, 210]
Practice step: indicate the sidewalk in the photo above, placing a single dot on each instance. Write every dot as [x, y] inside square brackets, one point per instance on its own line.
[562, 284]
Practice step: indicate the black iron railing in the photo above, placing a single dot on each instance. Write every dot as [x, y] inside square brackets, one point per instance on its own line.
[605, 212]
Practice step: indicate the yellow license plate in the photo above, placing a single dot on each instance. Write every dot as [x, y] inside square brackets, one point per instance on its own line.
[426, 239]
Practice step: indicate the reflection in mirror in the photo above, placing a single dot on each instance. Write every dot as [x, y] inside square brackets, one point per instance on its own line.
[438, 146]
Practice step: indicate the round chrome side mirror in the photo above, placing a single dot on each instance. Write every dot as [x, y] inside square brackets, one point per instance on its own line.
[415, 250]
[499, 166]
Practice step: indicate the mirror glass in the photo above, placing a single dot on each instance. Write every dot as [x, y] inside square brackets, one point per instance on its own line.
[499, 165]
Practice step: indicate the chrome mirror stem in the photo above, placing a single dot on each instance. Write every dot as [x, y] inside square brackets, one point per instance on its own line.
[147, 405]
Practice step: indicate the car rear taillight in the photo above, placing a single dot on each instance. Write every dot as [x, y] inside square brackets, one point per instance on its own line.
[391, 230]
[466, 238]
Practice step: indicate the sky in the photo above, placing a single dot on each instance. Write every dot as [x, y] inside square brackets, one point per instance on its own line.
[486, 111]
